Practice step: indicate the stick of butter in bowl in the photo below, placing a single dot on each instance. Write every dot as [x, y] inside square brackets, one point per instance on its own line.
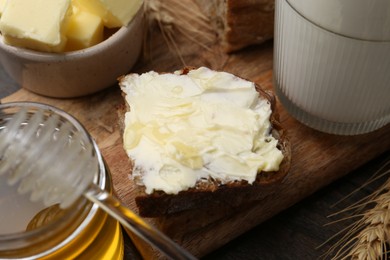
[60, 48]
[114, 13]
[39, 25]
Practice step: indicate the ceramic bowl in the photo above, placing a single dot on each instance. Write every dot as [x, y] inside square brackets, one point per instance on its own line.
[77, 73]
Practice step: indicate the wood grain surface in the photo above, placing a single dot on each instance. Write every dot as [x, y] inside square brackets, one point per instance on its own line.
[317, 158]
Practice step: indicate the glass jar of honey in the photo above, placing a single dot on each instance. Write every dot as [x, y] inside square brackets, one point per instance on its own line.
[30, 230]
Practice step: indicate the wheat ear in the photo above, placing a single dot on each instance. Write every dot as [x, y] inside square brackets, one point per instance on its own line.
[368, 237]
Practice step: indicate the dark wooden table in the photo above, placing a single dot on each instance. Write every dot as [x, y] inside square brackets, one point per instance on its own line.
[296, 232]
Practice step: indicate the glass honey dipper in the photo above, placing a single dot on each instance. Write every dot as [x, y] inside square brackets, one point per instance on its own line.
[45, 152]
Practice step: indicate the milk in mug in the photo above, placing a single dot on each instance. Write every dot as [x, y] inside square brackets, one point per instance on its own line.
[332, 63]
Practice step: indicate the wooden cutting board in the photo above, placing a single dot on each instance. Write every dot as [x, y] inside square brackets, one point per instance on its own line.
[317, 158]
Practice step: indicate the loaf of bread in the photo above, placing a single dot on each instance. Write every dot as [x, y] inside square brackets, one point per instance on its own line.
[192, 144]
[240, 23]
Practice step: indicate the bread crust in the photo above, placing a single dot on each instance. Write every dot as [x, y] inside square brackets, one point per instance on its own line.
[212, 193]
[240, 23]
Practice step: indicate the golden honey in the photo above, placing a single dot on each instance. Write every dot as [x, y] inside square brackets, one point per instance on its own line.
[82, 231]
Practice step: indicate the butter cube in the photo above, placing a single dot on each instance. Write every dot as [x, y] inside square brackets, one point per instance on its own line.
[84, 30]
[2, 5]
[114, 13]
[38, 24]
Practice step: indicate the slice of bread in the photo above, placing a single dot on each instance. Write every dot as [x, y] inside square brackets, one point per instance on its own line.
[213, 193]
[240, 23]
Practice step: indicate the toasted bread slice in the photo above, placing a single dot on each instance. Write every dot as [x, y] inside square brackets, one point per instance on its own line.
[214, 193]
[240, 23]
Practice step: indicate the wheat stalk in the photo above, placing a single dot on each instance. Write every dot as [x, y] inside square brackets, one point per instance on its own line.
[371, 241]
[369, 236]
[178, 19]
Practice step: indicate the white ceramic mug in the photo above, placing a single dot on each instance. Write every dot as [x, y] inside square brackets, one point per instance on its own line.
[332, 63]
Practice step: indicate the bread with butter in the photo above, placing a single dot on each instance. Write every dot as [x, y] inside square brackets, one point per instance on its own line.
[208, 191]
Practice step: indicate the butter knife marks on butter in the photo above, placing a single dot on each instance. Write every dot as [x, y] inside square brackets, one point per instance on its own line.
[187, 128]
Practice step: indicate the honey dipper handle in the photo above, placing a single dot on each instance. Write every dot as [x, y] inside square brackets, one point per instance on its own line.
[131, 221]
